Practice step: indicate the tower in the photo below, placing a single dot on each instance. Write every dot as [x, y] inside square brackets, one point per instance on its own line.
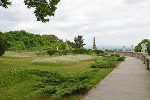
[94, 45]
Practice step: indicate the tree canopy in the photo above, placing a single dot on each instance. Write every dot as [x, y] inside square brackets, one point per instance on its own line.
[43, 8]
[2, 44]
[79, 41]
[22, 40]
[138, 47]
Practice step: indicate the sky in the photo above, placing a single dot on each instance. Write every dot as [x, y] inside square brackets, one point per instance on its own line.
[111, 22]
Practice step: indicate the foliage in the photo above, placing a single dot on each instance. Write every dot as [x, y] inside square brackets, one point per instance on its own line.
[43, 8]
[79, 41]
[2, 44]
[98, 52]
[22, 40]
[5, 3]
[108, 61]
[64, 52]
[138, 47]
[16, 81]
[50, 38]
[58, 85]
[52, 52]
[122, 58]
[72, 44]
[79, 51]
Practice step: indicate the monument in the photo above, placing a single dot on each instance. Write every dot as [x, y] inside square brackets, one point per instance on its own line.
[67, 48]
[94, 45]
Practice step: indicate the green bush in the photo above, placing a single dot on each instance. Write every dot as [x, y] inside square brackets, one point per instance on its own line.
[97, 52]
[2, 46]
[64, 52]
[107, 62]
[52, 52]
[56, 85]
[102, 54]
[80, 51]
[122, 58]
[116, 55]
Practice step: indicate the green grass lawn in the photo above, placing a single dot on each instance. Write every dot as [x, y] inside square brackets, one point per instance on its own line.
[16, 82]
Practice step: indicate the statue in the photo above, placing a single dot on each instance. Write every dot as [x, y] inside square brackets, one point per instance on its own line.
[104, 49]
[124, 48]
[144, 48]
[132, 48]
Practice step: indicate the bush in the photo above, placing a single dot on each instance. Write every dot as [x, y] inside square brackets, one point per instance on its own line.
[64, 52]
[97, 52]
[52, 52]
[102, 54]
[122, 58]
[116, 55]
[80, 51]
[57, 85]
[107, 62]
[2, 46]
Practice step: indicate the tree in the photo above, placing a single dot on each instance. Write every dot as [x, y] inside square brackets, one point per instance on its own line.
[2, 44]
[79, 41]
[138, 47]
[50, 38]
[72, 44]
[43, 8]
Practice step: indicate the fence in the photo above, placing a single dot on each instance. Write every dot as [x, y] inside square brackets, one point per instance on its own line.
[144, 57]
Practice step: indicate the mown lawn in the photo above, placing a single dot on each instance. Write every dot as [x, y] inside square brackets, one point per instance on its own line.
[16, 82]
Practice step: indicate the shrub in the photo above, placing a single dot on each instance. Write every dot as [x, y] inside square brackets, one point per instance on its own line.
[64, 52]
[97, 52]
[52, 52]
[58, 85]
[2, 46]
[102, 54]
[116, 55]
[80, 51]
[107, 62]
[122, 58]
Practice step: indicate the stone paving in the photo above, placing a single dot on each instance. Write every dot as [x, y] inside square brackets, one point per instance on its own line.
[129, 81]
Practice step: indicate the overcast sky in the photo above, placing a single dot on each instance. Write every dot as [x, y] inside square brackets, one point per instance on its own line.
[111, 22]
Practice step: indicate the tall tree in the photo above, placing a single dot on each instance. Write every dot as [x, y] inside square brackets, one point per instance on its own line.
[79, 41]
[43, 8]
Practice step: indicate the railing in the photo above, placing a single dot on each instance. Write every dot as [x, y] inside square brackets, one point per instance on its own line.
[144, 57]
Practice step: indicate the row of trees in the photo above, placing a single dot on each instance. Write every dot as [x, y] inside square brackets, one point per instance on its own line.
[22, 40]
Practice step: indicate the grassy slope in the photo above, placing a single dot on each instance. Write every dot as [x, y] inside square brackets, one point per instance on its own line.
[15, 82]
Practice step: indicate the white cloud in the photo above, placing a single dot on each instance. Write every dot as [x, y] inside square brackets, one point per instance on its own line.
[112, 22]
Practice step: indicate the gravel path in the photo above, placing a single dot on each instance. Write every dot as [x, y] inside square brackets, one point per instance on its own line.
[129, 81]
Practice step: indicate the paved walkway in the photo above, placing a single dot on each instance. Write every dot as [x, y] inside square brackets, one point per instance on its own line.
[129, 81]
